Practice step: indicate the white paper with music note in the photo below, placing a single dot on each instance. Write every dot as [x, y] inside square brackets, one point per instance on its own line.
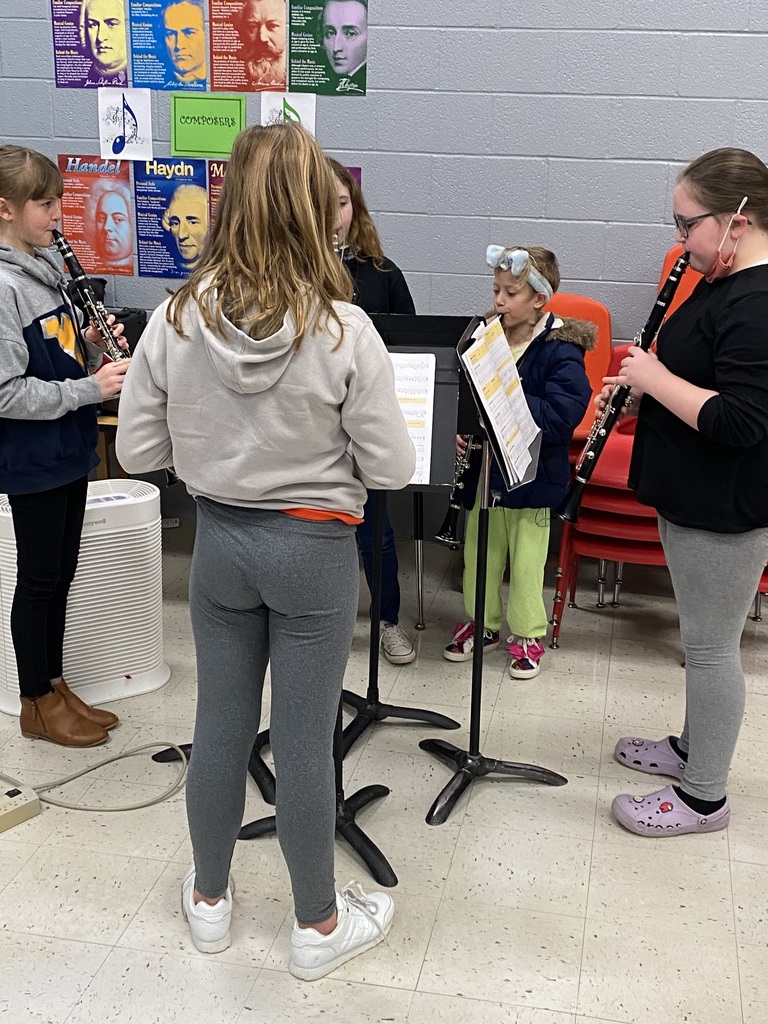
[415, 387]
[125, 124]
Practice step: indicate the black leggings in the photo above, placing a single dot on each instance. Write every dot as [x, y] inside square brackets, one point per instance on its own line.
[47, 525]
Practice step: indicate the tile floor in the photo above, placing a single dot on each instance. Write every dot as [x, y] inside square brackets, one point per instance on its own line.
[529, 906]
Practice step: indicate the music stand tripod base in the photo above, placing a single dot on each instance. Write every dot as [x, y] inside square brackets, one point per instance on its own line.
[473, 766]
[346, 810]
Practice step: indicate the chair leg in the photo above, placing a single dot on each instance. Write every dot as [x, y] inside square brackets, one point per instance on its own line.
[561, 582]
[574, 578]
[618, 572]
[757, 617]
[602, 569]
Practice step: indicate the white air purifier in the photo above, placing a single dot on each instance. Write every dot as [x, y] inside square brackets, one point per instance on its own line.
[113, 645]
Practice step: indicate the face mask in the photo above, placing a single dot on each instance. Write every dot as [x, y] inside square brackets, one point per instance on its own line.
[719, 267]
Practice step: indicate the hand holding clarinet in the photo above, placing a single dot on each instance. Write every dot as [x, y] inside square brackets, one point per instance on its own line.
[103, 331]
[640, 369]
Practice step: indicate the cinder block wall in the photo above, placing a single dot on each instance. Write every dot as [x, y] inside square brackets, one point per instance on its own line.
[552, 123]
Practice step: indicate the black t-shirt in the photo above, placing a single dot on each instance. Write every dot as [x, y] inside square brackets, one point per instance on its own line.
[714, 478]
[379, 290]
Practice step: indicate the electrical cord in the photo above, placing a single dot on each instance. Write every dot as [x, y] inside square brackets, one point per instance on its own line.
[173, 788]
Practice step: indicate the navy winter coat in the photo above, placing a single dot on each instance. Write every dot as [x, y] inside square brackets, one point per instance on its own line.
[558, 392]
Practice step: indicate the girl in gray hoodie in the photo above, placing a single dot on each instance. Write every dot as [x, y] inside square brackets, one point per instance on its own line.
[51, 381]
[274, 399]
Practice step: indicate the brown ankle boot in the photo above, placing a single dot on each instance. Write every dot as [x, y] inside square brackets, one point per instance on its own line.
[103, 718]
[50, 718]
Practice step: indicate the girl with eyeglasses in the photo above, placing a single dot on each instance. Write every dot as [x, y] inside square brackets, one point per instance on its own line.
[701, 459]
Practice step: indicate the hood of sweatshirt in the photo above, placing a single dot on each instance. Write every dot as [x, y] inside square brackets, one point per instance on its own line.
[43, 266]
[244, 364]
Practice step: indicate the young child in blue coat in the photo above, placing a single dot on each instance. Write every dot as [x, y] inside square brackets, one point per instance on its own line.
[549, 353]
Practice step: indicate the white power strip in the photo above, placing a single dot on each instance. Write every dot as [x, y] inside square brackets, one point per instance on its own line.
[16, 805]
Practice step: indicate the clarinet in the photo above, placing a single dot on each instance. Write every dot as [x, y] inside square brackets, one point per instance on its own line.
[621, 396]
[448, 532]
[94, 309]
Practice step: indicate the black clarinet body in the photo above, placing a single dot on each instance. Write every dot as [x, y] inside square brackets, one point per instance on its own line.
[621, 396]
[94, 308]
[448, 533]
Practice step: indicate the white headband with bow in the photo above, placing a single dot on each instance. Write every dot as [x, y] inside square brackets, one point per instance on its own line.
[517, 261]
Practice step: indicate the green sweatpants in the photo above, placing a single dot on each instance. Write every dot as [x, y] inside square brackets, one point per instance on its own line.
[522, 534]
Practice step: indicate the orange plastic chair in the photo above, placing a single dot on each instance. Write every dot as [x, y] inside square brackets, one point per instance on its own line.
[595, 362]
[690, 279]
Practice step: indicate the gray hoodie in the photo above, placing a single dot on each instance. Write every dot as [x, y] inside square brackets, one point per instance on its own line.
[262, 424]
[48, 430]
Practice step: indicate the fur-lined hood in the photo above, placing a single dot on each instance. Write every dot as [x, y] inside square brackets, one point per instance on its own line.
[579, 332]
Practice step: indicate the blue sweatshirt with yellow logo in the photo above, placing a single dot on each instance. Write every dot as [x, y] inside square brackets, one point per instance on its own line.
[48, 403]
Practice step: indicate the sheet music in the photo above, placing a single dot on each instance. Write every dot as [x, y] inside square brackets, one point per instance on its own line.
[415, 387]
[490, 364]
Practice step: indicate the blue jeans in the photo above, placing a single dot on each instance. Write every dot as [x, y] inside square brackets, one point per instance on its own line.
[390, 588]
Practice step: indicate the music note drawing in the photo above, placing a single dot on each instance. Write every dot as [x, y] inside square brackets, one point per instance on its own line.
[119, 142]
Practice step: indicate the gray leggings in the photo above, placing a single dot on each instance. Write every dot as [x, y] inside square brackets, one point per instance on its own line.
[715, 577]
[268, 587]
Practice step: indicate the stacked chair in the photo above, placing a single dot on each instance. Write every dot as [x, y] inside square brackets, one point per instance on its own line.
[612, 527]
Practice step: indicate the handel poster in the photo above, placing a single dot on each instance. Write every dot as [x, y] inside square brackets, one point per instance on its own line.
[97, 213]
[90, 44]
[171, 215]
[328, 47]
[249, 40]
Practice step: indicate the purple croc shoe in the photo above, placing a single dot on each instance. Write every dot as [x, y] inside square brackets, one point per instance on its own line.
[655, 757]
[663, 814]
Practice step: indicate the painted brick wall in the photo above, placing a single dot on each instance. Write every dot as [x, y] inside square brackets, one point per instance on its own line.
[552, 123]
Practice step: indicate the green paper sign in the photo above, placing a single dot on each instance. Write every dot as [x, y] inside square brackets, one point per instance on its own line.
[205, 125]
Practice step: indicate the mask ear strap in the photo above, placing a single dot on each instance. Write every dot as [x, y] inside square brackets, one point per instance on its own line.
[742, 204]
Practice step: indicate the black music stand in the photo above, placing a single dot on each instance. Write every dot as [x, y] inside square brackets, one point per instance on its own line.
[472, 764]
[346, 810]
[370, 708]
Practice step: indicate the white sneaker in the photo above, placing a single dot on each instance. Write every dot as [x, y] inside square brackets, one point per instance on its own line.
[396, 644]
[363, 921]
[209, 925]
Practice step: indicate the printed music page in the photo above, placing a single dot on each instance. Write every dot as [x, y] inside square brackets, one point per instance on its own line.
[415, 387]
[490, 365]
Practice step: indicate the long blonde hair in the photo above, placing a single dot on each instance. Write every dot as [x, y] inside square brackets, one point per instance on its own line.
[270, 250]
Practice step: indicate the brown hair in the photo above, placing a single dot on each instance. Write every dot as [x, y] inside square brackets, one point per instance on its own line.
[26, 174]
[270, 250]
[720, 179]
[543, 260]
[363, 239]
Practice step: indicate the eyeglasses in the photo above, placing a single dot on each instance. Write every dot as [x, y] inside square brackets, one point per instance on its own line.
[684, 224]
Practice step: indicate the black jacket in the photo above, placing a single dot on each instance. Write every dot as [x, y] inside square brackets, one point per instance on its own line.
[379, 290]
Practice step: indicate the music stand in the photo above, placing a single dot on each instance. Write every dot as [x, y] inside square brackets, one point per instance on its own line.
[471, 764]
[410, 334]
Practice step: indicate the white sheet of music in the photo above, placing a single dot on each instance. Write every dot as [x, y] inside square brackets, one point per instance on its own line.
[492, 368]
[415, 387]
